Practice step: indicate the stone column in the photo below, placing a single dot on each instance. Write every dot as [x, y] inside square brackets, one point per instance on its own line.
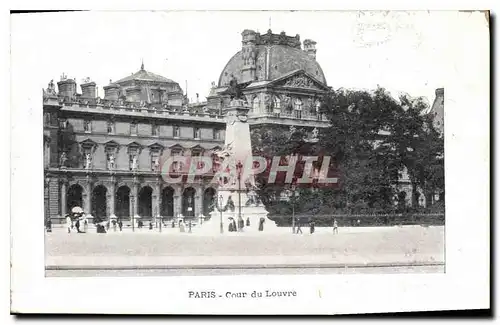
[63, 198]
[112, 200]
[177, 205]
[157, 201]
[136, 198]
[198, 202]
[88, 197]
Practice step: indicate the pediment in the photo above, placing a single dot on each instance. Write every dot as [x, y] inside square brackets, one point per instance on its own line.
[134, 145]
[111, 144]
[197, 148]
[176, 146]
[87, 143]
[156, 145]
[301, 80]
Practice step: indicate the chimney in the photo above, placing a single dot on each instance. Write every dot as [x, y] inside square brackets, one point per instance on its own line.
[310, 48]
[67, 87]
[111, 91]
[88, 89]
[439, 92]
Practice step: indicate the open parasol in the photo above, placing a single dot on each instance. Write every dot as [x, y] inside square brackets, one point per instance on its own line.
[77, 210]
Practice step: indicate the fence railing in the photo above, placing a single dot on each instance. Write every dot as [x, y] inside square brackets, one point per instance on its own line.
[362, 220]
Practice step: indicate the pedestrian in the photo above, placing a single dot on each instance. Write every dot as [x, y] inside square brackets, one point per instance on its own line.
[173, 223]
[181, 226]
[49, 225]
[140, 224]
[77, 224]
[150, 225]
[189, 225]
[114, 225]
[120, 224]
[235, 227]
[335, 226]
[248, 222]
[261, 224]
[107, 225]
[85, 225]
[311, 227]
[299, 229]
[241, 224]
[69, 223]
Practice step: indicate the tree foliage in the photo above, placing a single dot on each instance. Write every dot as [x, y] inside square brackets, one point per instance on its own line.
[372, 138]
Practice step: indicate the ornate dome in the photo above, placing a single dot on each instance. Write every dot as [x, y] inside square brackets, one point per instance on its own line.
[143, 75]
[273, 61]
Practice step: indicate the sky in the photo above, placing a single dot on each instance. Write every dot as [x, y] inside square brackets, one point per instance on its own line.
[400, 51]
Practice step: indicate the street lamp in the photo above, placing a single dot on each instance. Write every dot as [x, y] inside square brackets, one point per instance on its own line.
[239, 169]
[133, 221]
[293, 204]
[220, 210]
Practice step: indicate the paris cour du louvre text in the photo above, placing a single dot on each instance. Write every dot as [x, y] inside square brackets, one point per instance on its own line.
[104, 154]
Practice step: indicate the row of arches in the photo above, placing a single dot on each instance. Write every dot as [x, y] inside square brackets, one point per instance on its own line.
[124, 202]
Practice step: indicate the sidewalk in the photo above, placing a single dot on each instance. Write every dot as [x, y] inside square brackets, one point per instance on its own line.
[221, 262]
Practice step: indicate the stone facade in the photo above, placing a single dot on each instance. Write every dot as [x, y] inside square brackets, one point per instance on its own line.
[105, 155]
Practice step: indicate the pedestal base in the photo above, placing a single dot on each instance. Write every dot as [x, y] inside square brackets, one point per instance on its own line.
[252, 213]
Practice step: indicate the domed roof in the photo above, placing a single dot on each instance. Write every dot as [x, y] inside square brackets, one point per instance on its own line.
[144, 75]
[277, 60]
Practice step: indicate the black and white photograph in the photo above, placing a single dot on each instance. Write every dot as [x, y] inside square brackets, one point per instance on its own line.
[204, 148]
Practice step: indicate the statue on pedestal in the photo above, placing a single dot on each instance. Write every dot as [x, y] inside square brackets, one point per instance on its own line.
[315, 133]
[63, 160]
[234, 90]
[111, 162]
[156, 164]
[134, 162]
[88, 161]
[51, 88]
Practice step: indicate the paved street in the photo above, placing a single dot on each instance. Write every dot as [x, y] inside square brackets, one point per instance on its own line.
[173, 252]
[266, 271]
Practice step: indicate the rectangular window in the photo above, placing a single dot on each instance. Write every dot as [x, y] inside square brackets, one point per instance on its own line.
[133, 128]
[87, 127]
[155, 161]
[176, 165]
[154, 130]
[177, 132]
[111, 127]
[197, 133]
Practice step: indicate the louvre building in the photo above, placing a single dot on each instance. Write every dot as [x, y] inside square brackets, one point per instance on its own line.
[103, 154]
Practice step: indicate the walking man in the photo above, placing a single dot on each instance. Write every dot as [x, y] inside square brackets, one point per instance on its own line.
[311, 226]
[335, 226]
[120, 224]
[299, 229]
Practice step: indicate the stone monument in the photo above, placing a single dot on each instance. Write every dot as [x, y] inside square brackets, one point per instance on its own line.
[234, 191]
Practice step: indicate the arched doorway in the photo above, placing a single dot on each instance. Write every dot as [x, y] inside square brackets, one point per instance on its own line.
[167, 203]
[122, 202]
[99, 207]
[188, 207]
[74, 197]
[145, 204]
[208, 201]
